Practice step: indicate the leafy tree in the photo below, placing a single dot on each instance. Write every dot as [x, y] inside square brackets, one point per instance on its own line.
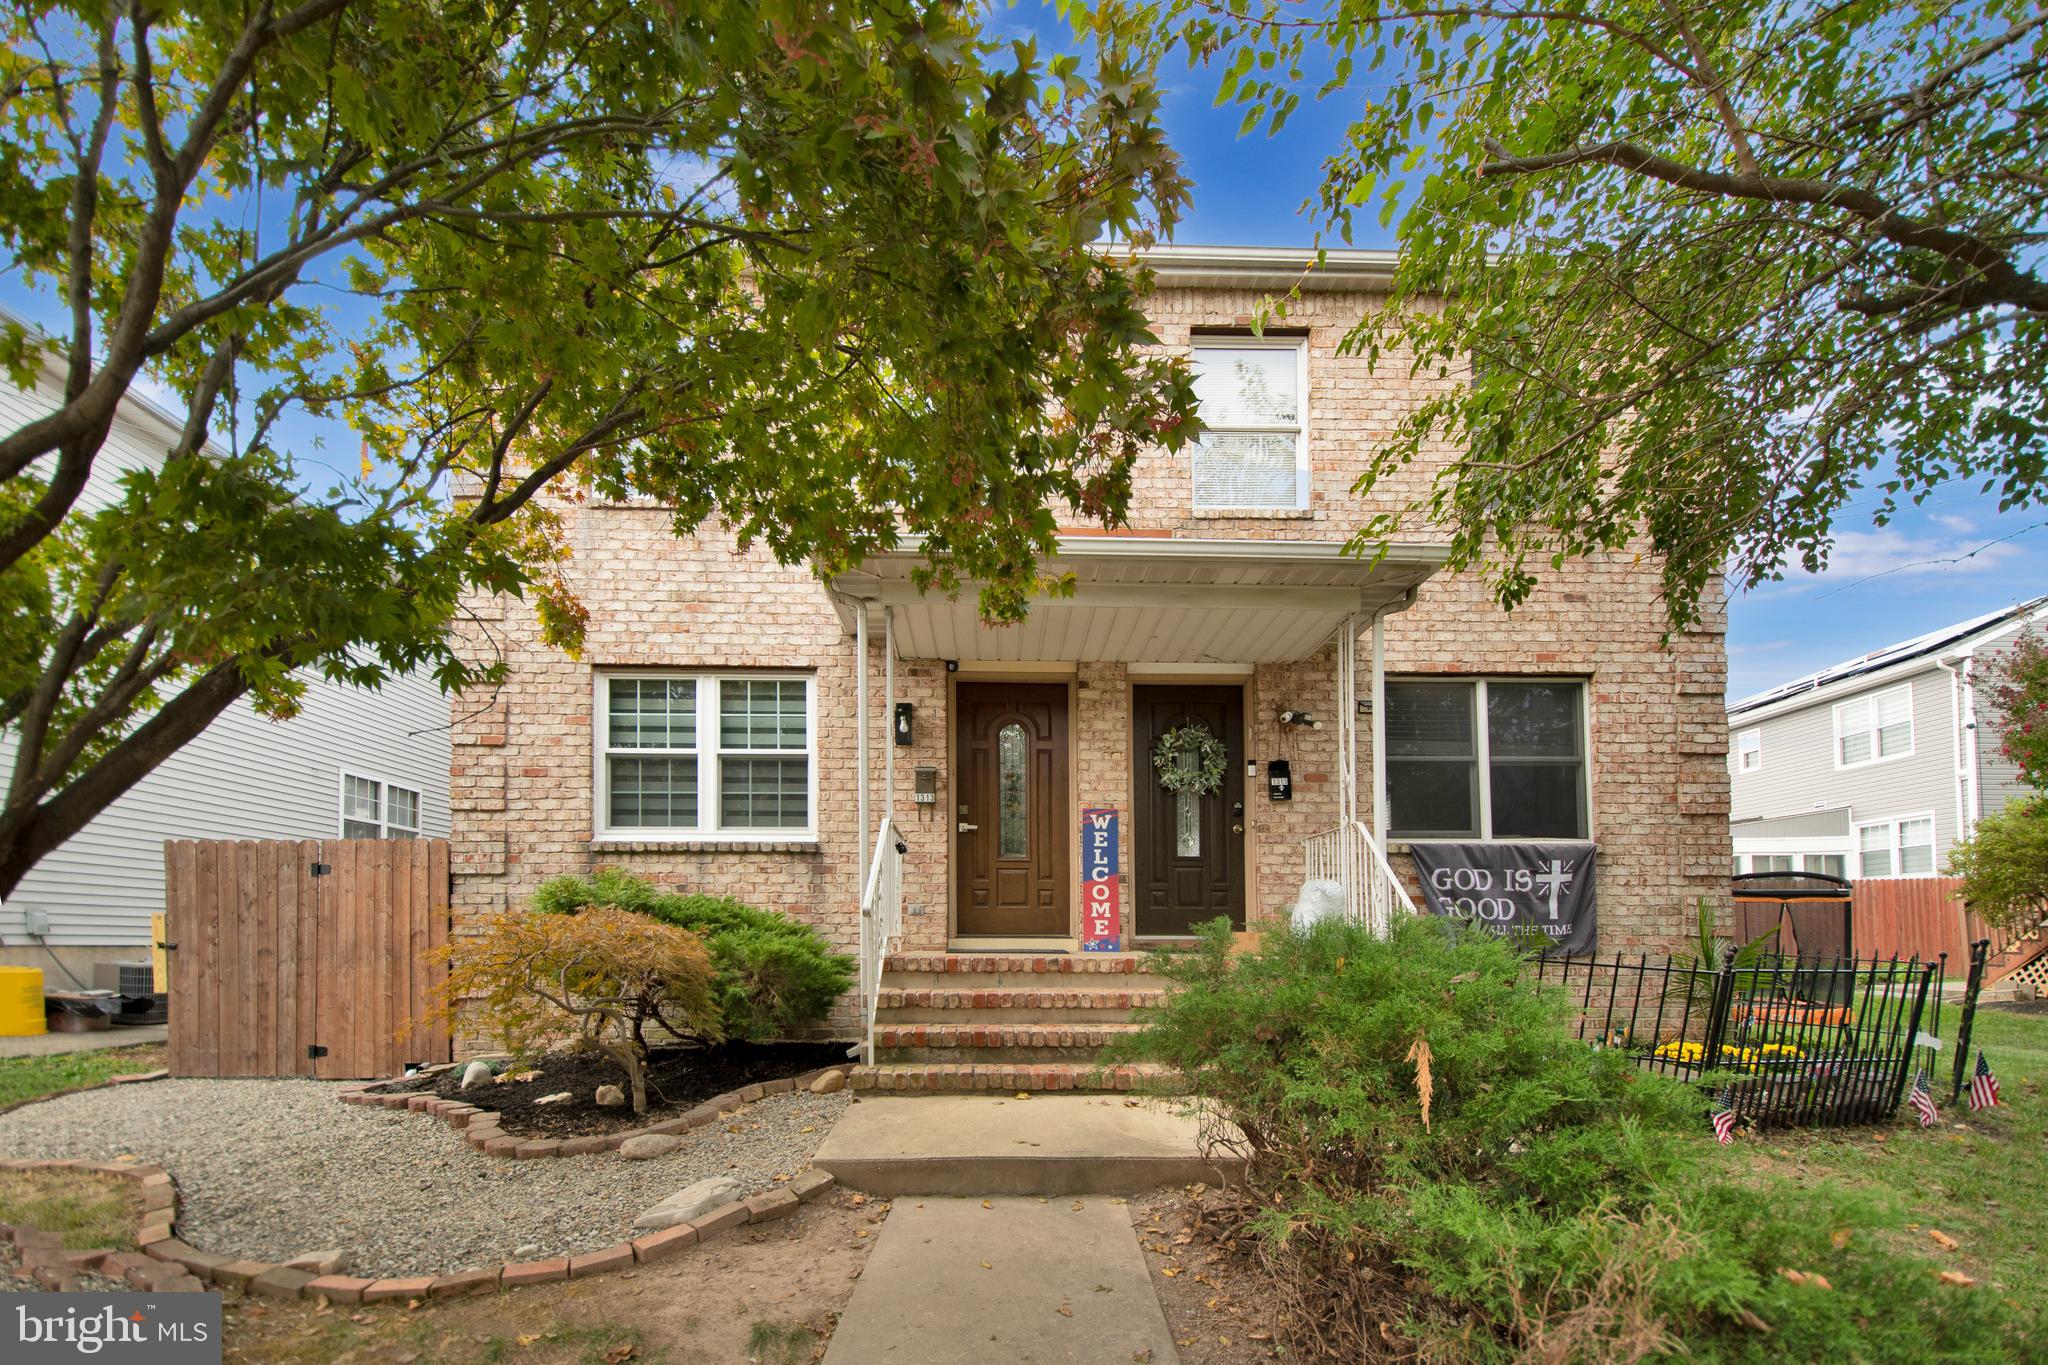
[1713, 268]
[823, 271]
[2004, 860]
[598, 979]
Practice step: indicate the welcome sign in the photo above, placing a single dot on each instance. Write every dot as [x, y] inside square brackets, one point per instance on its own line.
[1102, 913]
[1544, 889]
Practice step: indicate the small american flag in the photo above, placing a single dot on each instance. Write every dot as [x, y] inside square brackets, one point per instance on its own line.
[1983, 1085]
[1724, 1116]
[1923, 1099]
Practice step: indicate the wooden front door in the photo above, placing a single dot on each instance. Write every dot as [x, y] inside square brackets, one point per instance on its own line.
[1011, 855]
[1188, 849]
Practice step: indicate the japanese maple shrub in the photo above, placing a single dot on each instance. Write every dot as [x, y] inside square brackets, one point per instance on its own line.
[599, 977]
[773, 976]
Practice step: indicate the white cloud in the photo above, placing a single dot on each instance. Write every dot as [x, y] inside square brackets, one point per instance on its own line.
[1962, 526]
[1896, 554]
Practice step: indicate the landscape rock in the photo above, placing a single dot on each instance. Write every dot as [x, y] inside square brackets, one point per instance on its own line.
[831, 1083]
[526, 1251]
[476, 1073]
[686, 1203]
[321, 1262]
[556, 1098]
[610, 1096]
[647, 1146]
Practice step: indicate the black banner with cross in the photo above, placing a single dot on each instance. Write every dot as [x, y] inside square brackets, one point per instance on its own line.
[1544, 889]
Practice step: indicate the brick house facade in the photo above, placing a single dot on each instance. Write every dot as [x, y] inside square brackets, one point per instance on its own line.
[556, 773]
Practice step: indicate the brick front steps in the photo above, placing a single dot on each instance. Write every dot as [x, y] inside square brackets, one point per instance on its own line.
[951, 1022]
[954, 1077]
[169, 1265]
[480, 1128]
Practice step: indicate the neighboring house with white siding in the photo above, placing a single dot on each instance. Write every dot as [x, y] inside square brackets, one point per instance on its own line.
[353, 763]
[1874, 767]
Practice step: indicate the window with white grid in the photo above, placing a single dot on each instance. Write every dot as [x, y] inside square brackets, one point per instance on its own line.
[705, 755]
[373, 809]
[1253, 453]
[1896, 848]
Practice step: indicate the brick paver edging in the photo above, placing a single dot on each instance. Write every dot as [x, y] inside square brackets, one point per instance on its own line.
[168, 1265]
[481, 1130]
[47, 1262]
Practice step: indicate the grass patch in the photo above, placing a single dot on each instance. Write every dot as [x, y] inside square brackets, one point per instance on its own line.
[86, 1209]
[780, 1343]
[1975, 1185]
[38, 1078]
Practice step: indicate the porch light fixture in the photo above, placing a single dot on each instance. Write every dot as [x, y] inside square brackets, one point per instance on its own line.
[1301, 718]
[904, 711]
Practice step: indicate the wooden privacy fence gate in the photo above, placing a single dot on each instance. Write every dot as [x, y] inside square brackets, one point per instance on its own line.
[304, 957]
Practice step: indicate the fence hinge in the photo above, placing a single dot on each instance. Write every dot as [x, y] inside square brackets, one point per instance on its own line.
[322, 869]
[315, 1050]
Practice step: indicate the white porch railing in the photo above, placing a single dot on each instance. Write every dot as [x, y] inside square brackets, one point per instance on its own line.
[1348, 856]
[881, 923]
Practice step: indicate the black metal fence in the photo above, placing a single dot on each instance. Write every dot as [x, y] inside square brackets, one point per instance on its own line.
[1794, 1041]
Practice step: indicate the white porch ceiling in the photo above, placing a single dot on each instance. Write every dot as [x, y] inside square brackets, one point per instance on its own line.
[1140, 599]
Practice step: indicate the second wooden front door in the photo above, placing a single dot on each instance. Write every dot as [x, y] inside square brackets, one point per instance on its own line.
[1011, 854]
[1189, 848]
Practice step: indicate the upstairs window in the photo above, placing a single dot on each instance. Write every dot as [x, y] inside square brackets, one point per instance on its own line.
[1491, 759]
[1749, 751]
[1254, 454]
[371, 809]
[1873, 728]
[704, 756]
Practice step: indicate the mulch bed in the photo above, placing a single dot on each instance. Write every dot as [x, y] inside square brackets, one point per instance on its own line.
[678, 1078]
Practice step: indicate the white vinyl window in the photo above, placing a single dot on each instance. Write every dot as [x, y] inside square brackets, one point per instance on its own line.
[726, 756]
[1253, 454]
[1749, 751]
[1875, 727]
[1500, 758]
[371, 809]
[1896, 848]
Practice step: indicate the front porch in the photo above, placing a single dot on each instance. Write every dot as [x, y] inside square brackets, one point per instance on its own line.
[1025, 846]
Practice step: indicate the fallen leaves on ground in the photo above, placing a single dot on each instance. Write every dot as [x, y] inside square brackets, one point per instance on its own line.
[1942, 1239]
[1955, 1277]
[1817, 1280]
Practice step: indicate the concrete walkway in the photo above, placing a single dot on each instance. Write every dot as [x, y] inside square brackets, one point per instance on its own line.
[999, 1144]
[1003, 1281]
[51, 1044]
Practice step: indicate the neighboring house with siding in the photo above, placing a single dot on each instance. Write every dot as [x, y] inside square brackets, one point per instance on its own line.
[353, 763]
[732, 725]
[1874, 767]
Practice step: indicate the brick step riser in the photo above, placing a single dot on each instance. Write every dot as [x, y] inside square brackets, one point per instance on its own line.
[1042, 966]
[1079, 983]
[941, 1079]
[1048, 1015]
[990, 1056]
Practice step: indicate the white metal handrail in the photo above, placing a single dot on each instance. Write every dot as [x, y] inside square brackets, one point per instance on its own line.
[1349, 856]
[881, 921]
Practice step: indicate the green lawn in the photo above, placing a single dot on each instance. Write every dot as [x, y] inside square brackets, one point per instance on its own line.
[34, 1078]
[1978, 1184]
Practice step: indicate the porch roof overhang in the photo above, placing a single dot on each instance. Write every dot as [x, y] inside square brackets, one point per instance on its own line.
[1150, 599]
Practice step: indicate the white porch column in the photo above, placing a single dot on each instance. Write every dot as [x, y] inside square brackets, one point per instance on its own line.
[1379, 730]
[860, 747]
[889, 711]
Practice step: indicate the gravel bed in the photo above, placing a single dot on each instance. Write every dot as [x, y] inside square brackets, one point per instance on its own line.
[272, 1169]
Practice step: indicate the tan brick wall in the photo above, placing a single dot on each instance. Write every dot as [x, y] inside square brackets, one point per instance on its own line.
[522, 786]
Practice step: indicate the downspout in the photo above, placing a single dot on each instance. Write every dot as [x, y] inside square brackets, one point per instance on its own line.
[1960, 728]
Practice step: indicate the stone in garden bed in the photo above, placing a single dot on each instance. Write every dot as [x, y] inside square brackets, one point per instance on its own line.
[678, 1080]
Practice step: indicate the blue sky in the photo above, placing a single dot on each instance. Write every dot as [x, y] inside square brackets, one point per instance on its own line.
[1953, 558]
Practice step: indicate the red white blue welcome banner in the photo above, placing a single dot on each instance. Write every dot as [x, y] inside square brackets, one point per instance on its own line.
[1102, 914]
